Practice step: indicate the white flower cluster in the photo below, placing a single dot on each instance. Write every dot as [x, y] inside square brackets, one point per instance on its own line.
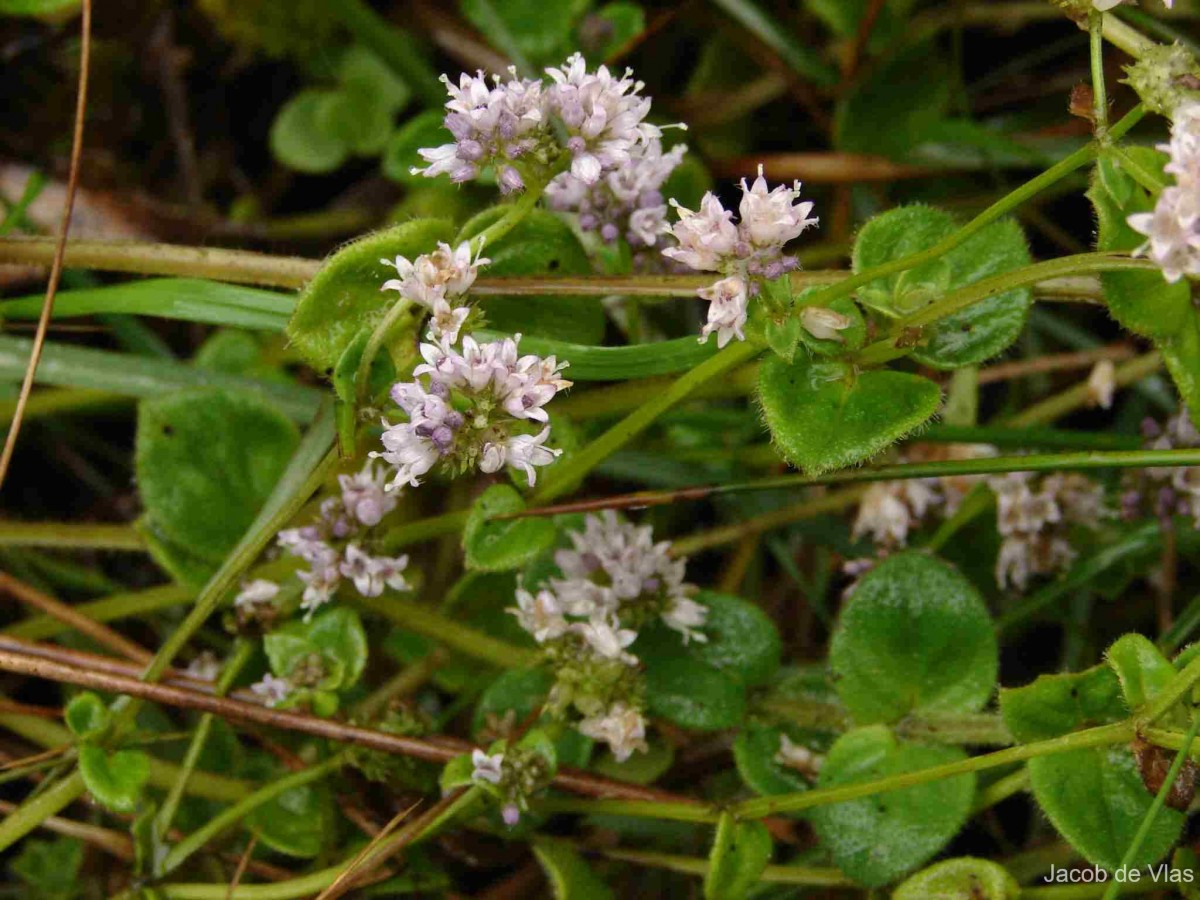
[508, 122]
[615, 580]
[333, 548]
[890, 509]
[465, 404]
[1165, 491]
[1106, 5]
[489, 769]
[626, 201]
[1173, 228]
[744, 253]
[1033, 514]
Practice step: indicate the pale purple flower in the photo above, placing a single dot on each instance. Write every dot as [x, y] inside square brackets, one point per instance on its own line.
[511, 814]
[256, 593]
[1173, 228]
[487, 768]
[706, 238]
[621, 727]
[272, 690]
[769, 219]
[727, 307]
[320, 584]
[365, 496]
[687, 616]
[540, 614]
[447, 272]
[607, 638]
[371, 574]
[529, 451]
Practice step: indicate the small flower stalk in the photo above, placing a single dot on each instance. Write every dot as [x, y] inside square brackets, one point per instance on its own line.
[471, 406]
[747, 253]
[614, 581]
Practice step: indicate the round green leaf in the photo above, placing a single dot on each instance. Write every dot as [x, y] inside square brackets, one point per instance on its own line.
[345, 297]
[336, 635]
[570, 877]
[741, 639]
[1141, 668]
[1143, 302]
[824, 416]
[499, 546]
[741, 850]
[87, 716]
[362, 70]
[423, 130]
[184, 440]
[965, 878]
[295, 822]
[915, 636]
[538, 30]
[357, 117]
[541, 244]
[640, 768]
[692, 694]
[895, 234]
[878, 838]
[115, 780]
[754, 752]
[299, 136]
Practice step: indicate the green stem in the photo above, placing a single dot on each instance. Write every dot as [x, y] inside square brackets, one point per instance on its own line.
[961, 298]
[1101, 736]
[1100, 95]
[1001, 790]
[424, 530]
[565, 477]
[1078, 396]
[393, 46]
[1174, 692]
[70, 536]
[242, 652]
[690, 865]
[1147, 178]
[106, 609]
[227, 818]
[1114, 888]
[416, 617]
[33, 812]
[1126, 37]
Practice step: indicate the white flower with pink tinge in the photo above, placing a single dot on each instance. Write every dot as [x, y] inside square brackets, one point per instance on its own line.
[622, 727]
[487, 767]
[1173, 227]
[365, 497]
[272, 690]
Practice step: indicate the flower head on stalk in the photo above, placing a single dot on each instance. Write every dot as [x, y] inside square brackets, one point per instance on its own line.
[746, 253]
[1172, 229]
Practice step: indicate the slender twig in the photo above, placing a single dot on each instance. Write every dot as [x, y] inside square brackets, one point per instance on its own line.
[97, 631]
[56, 266]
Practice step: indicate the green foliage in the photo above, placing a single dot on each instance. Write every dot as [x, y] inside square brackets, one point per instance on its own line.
[964, 878]
[512, 698]
[1093, 796]
[492, 546]
[740, 639]
[915, 637]
[692, 694]
[539, 31]
[330, 648]
[640, 768]
[50, 868]
[876, 839]
[740, 852]
[754, 752]
[87, 716]
[1141, 668]
[50, 9]
[824, 415]
[183, 439]
[540, 244]
[968, 336]
[344, 299]
[114, 779]
[570, 877]
[294, 823]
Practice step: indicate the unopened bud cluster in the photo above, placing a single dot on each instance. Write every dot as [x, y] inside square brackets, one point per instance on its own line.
[1168, 491]
[615, 580]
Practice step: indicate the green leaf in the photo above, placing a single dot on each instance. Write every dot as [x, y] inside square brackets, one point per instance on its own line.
[138, 376]
[295, 822]
[740, 853]
[87, 716]
[754, 752]
[800, 57]
[971, 335]
[823, 416]
[499, 546]
[115, 780]
[361, 70]
[915, 636]
[184, 299]
[570, 877]
[640, 768]
[1143, 302]
[513, 697]
[693, 695]
[400, 156]
[965, 878]
[51, 9]
[1094, 797]
[876, 839]
[345, 297]
[540, 244]
[539, 30]
[610, 28]
[1141, 668]
[336, 635]
[380, 378]
[852, 338]
[233, 351]
[300, 137]
[1182, 356]
[588, 363]
[741, 639]
[50, 868]
[457, 773]
[358, 117]
[183, 439]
